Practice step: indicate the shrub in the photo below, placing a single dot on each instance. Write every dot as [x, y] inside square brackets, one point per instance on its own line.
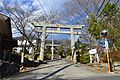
[115, 56]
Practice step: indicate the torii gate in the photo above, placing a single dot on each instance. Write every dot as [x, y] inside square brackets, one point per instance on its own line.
[44, 28]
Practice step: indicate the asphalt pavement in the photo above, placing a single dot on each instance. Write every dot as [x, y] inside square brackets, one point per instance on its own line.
[63, 70]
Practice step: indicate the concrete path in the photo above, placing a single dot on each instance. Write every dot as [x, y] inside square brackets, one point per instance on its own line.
[62, 70]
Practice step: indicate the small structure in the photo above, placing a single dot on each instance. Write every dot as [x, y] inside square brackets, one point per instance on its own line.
[6, 45]
[93, 55]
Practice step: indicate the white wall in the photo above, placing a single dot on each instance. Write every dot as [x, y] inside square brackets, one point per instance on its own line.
[23, 43]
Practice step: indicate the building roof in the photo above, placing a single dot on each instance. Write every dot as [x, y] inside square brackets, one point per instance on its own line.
[5, 26]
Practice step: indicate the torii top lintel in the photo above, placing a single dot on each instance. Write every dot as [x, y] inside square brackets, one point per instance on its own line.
[37, 24]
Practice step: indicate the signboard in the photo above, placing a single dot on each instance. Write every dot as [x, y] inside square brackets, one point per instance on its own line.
[106, 43]
[93, 51]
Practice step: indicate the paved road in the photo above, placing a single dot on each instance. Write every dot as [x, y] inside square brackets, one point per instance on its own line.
[59, 70]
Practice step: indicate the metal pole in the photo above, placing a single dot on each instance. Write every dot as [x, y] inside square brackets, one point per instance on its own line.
[52, 49]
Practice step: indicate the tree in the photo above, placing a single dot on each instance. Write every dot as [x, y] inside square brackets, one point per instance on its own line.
[48, 53]
[20, 17]
[82, 52]
[79, 9]
[95, 25]
[108, 19]
[22, 14]
[111, 14]
[61, 52]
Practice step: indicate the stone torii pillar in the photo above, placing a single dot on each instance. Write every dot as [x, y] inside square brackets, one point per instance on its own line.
[73, 57]
[42, 47]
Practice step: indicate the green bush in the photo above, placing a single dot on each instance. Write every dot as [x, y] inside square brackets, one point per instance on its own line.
[84, 59]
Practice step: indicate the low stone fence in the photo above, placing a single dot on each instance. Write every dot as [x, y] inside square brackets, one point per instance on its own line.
[116, 67]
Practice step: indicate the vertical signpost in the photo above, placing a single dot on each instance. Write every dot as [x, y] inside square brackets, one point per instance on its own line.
[104, 34]
[107, 52]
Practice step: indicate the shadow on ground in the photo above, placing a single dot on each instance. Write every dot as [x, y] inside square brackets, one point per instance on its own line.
[53, 73]
[29, 71]
[8, 68]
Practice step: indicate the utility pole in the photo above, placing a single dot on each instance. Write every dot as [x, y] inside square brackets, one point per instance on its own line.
[104, 34]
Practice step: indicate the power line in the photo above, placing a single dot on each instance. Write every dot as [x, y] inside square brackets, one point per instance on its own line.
[48, 18]
[76, 8]
[43, 9]
[117, 1]
[100, 7]
[103, 8]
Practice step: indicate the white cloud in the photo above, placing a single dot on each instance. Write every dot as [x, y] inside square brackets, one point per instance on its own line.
[1, 4]
[35, 3]
[76, 37]
[24, 6]
[49, 4]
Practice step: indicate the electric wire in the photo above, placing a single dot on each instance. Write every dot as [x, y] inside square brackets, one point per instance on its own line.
[100, 7]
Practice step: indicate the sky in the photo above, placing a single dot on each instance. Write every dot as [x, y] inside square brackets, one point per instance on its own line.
[54, 4]
[47, 5]
[44, 6]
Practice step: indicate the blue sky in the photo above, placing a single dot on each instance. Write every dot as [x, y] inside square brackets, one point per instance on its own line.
[54, 4]
[47, 5]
